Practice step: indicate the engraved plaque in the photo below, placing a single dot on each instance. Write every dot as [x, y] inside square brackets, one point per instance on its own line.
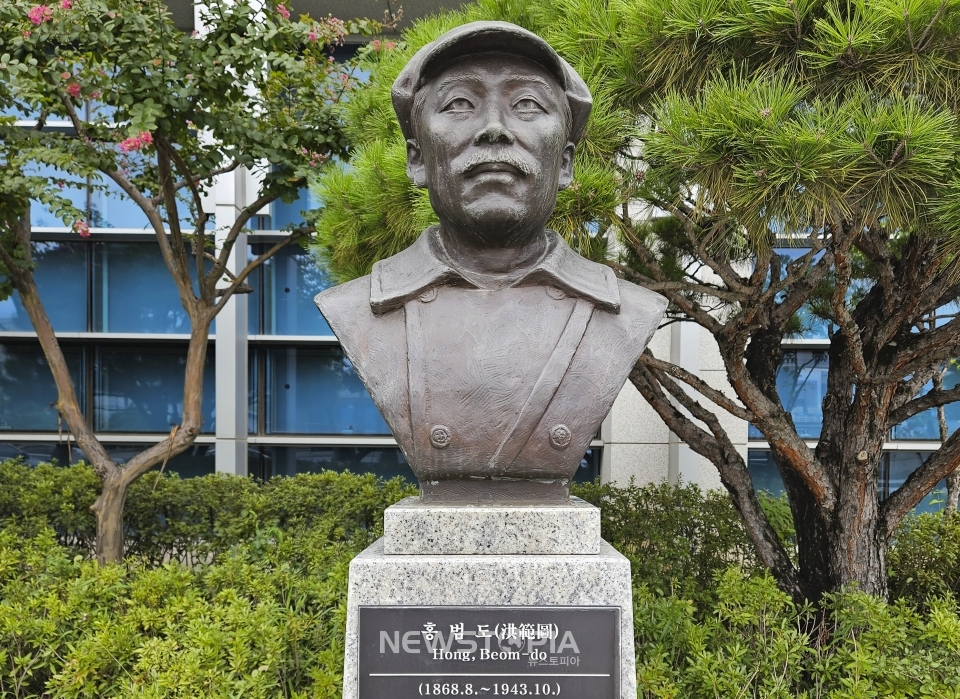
[407, 652]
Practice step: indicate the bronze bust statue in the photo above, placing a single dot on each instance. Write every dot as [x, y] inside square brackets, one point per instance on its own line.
[493, 350]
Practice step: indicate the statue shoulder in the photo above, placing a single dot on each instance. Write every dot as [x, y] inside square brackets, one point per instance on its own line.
[342, 305]
[641, 308]
[637, 297]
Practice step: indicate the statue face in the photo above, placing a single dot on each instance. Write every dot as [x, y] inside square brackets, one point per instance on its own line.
[492, 147]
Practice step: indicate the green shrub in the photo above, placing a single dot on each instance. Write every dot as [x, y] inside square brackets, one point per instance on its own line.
[924, 559]
[753, 642]
[259, 609]
[676, 537]
[266, 621]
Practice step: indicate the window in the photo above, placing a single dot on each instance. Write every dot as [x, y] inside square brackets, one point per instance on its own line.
[61, 277]
[897, 466]
[802, 384]
[133, 291]
[387, 462]
[196, 460]
[27, 391]
[112, 208]
[36, 453]
[763, 472]
[925, 425]
[314, 390]
[284, 287]
[140, 389]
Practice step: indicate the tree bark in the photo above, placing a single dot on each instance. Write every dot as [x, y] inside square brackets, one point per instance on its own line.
[953, 493]
[108, 509]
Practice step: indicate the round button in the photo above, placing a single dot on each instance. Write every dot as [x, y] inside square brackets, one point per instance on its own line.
[560, 437]
[555, 293]
[440, 436]
[429, 295]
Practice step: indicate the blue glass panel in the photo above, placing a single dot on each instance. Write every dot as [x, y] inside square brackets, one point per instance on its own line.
[197, 460]
[291, 279]
[140, 389]
[763, 472]
[76, 192]
[61, 277]
[317, 391]
[898, 465]
[253, 391]
[925, 424]
[133, 290]
[36, 453]
[802, 384]
[386, 462]
[114, 209]
[254, 298]
[289, 214]
[589, 467]
[813, 327]
[27, 390]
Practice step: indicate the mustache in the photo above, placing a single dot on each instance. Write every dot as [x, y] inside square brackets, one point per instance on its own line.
[502, 156]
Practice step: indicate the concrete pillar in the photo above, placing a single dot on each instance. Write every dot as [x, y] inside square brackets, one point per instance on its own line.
[231, 332]
[684, 463]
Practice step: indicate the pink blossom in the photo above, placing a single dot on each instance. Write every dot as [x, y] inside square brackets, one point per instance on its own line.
[390, 45]
[65, 75]
[95, 94]
[283, 11]
[65, 4]
[375, 44]
[73, 90]
[141, 140]
[26, 33]
[40, 14]
[312, 36]
[81, 228]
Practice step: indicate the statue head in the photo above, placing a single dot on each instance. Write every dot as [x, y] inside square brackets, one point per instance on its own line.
[491, 115]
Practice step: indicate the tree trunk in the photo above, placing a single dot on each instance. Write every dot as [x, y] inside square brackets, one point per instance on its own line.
[108, 509]
[953, 493]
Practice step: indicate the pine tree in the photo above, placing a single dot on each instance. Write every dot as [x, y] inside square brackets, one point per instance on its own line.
[747, 126]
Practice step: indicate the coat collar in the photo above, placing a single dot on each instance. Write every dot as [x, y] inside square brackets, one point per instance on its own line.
[409, 273]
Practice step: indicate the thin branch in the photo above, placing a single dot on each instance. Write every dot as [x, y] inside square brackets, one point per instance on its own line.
[733, 474]
[240, 278]
[196, 179]
[679, 300]
[845, 321]
[180, 270]
[238, 225]
[932, 399]
[697, 384]
[941, 464]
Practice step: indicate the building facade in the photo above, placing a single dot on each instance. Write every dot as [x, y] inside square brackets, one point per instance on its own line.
[280, 398]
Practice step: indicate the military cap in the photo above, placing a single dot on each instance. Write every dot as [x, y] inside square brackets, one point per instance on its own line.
[485, 37]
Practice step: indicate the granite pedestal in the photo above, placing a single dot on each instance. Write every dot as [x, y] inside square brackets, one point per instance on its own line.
[491, 557]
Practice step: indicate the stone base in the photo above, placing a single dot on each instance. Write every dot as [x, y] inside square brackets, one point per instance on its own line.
[412, 527]
[600, 580]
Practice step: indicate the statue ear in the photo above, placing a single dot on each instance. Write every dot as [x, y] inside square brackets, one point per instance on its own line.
[415, 169]
[566, 166]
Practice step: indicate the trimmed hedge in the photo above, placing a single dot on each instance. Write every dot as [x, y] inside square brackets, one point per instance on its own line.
[258, 610]
[192, 520]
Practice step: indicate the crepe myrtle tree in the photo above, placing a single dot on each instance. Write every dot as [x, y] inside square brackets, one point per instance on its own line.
[747, 126]
[159, 114]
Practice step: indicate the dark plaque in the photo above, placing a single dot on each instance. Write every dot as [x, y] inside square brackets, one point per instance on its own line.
[407, 652]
